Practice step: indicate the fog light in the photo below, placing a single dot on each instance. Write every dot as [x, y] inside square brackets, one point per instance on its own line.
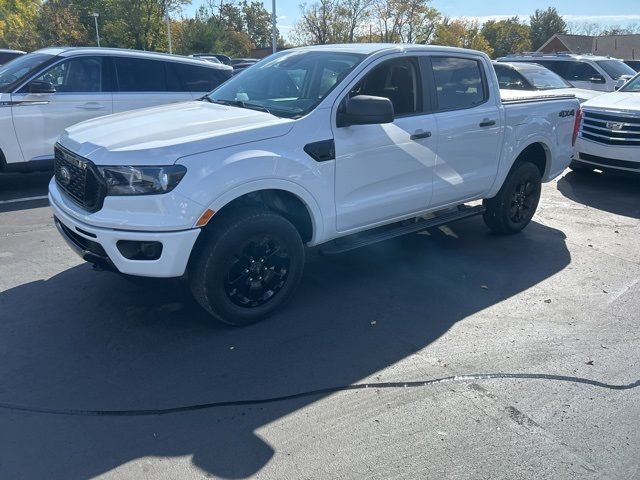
[135, 250]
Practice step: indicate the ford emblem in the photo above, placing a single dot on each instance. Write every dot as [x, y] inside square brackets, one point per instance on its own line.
[64, 176]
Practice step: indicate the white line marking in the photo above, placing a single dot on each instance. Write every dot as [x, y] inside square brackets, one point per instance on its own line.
[25, 199]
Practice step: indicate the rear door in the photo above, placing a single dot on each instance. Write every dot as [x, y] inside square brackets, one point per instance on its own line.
[470, 125]
[142, 83]
[82, 92]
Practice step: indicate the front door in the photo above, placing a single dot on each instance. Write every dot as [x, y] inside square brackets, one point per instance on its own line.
[82, 93]
[385, 171]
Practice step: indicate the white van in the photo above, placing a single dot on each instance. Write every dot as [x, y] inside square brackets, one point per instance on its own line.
[592, 72]
[44, 92]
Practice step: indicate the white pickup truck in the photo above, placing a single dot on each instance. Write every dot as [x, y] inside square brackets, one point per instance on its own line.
[338, 146]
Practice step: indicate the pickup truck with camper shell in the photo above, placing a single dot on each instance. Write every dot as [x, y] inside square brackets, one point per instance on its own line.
[333, 146]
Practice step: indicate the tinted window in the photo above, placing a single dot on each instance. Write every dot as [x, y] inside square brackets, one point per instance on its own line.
[559, 67]
[615, 68]
[459, 82]
[192, 78]
[543, 78]
[397, 80]
[21, 68]
[581, 72]
[509, 78]
[140, 75]
[76, 75]
[7, 57]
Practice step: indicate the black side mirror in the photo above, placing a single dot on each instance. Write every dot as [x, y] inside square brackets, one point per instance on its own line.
[597, 79]
[41, 86]
[366, 110]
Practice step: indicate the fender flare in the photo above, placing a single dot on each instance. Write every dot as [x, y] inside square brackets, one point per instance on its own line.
[302, 193]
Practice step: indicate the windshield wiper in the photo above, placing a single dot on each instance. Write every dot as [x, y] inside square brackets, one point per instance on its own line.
[242, 104]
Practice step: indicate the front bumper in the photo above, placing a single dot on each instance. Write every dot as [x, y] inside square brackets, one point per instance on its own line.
[98, 245]
[612, 157]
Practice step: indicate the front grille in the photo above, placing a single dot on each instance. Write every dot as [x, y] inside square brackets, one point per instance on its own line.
[79, 179]
[611, 129]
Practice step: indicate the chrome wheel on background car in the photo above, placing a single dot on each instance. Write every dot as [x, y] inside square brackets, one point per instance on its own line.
[247, 263]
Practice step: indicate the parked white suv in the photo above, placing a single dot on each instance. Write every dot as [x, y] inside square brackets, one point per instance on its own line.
[610, 131]
[44, 92]
[338, 145]
[591, 72]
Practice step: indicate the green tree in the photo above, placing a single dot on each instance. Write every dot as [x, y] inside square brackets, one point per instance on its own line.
[461, 33]
[64, 22]
[18, 24]
[544, 24]
[257, 22]
[507, 36]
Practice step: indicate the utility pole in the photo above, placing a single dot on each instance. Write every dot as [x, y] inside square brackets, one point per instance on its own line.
[274, 31]
[168, 19]
[95, 16]
[169, 33]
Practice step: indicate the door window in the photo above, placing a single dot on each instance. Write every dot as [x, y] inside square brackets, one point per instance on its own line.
[183, 77]
[581, 72]
[76, 75]
[140, 75]
[398, 80]
[459, 83]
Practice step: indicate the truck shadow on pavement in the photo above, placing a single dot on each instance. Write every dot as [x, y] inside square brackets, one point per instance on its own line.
[87, 340]
[614, 193]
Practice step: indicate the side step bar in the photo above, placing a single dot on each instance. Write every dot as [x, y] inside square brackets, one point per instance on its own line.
[386, 232]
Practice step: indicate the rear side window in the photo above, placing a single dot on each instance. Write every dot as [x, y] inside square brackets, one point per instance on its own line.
[183, 77]
[510, 79]
[581, 72]
[559, 67]
[140, 75]
[459, 82]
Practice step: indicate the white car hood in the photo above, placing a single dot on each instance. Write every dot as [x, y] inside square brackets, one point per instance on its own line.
[161, 135]
[619, 101]
[580, 93]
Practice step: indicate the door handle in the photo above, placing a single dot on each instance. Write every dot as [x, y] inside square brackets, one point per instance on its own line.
[418, 134]
[487, 123]
[91, 106]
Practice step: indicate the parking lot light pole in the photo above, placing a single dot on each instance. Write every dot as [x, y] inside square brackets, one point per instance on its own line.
[95, 16]
[274, 32]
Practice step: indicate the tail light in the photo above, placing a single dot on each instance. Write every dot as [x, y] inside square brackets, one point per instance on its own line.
[576, 126]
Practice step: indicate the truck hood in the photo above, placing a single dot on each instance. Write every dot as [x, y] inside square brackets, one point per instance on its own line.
[619, 101]
[161, 135]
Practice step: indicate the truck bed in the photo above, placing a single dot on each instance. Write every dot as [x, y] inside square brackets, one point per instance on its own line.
[521, 96]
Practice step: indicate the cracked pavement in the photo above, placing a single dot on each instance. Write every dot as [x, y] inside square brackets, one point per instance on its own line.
[561, 298]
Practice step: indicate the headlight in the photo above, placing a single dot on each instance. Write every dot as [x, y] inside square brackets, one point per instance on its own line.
[142, 180]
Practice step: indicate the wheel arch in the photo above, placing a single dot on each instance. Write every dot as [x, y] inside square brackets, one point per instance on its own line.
[289, 199]
[536, 152]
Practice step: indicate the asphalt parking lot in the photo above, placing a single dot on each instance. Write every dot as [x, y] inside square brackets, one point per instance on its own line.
[95, 369]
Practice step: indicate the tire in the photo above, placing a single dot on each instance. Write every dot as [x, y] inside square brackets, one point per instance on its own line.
[514, 205]
[246, 266]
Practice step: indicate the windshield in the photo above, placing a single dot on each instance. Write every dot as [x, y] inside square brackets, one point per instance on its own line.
[632, 85]
[19, 68]
[287, 84]
[615, 68]
[544, 79]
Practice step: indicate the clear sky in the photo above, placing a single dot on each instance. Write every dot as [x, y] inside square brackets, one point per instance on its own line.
[603, 12]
